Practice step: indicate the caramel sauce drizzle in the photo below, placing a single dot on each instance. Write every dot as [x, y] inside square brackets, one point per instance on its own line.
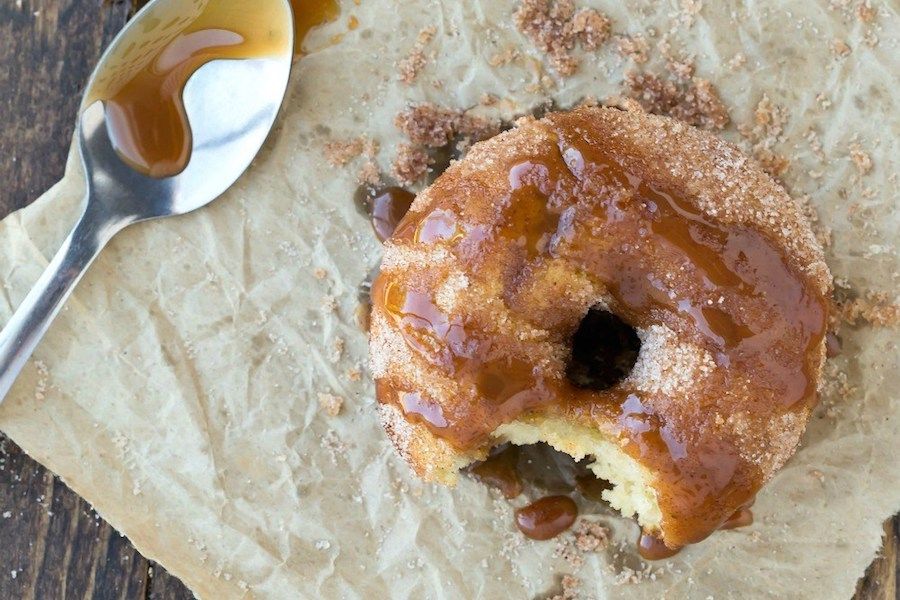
[501, 471]
[728, 288]
[142, 88]
[385, 208]
[546, 518]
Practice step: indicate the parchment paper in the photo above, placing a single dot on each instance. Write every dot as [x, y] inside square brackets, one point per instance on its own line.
[177, 391]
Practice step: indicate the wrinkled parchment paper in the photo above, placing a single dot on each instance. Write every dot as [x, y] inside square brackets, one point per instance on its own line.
[177, 391]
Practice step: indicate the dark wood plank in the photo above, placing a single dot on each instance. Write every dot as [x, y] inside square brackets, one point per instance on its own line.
[48, 49]
[52, 545]
[882, 579]
[166, 587]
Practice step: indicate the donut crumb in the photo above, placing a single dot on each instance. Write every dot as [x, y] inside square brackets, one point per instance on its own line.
[409, 67]
[429, 126]
[634, 47]
[340, 152]
[571, 588]
[586, 537]
[874, 308]
[555, 27]
[411, 164]
[695, 102]
[860, 158]
[330, 404]
[763, 133]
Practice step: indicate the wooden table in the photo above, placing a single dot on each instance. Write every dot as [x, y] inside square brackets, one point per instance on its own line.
[52, 545]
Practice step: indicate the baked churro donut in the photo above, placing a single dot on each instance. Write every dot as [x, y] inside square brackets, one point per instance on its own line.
[619, 285]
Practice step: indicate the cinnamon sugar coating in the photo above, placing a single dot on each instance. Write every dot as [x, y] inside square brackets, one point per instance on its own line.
[485, 282]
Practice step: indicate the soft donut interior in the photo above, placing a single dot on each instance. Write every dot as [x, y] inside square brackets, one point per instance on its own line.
[632, 493]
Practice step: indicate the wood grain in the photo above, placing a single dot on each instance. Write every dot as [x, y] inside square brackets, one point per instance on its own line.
[52, 545]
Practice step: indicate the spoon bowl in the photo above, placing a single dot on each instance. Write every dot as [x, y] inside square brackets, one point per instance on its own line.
[229, 106]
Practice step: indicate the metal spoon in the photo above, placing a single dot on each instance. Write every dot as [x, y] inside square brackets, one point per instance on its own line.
[230, 105]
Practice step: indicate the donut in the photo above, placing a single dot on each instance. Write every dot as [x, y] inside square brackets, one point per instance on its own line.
[624, 287]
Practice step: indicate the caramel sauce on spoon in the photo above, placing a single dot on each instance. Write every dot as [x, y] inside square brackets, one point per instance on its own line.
[143, 84]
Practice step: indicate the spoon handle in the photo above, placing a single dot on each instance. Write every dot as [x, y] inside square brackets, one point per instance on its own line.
[31, 320]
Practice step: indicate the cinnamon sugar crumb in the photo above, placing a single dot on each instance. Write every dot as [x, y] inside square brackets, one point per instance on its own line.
[330, 404]
[870, 38]
[629, 576]
[689, 10]
[696, 102]
[503, 58]
[411, 164]
[430, 126]
[866, 12]
[766, 131]
[874, 308]
[590, 536]
[408, 68]
[860, 158]
[354, 374]
[836, 390]
[369, 174]
[821, 231]
[634, 47]
[738, 60]
[840, 48]
[337, 350]
[587, 536]
[682, 70]
[340, 152]
[571, 588]
[591, 27]
[488, 99]
[774, 164]
[555, 28]
[818, 475]
[769, 117]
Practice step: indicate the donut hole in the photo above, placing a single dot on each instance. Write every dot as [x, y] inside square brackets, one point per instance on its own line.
[604, 350]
